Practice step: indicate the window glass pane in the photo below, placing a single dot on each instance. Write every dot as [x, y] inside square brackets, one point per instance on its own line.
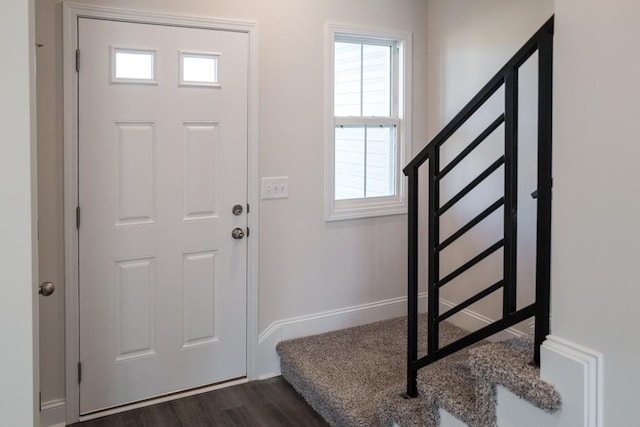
[347, 79]
[364, 162]
[380, 162]
[199, 68]
[376, 80]
[134, 65]
[349, 162]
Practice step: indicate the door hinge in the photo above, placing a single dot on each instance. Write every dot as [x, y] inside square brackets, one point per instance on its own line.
[248, 232]
[77, 60]
[78, 217]
[248, 208]
[79, 372]
[40, 400]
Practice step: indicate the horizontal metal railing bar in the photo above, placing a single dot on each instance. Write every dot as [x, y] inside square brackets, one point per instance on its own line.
[525, 52]
[477, 297]
[476, 102]
[472, 146]
[473, 184]
[476, 336]
[468, 226]
[473, 261]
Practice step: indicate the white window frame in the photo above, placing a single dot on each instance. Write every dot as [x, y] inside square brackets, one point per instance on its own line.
[209, 55]
[336, 210]
[144, 81]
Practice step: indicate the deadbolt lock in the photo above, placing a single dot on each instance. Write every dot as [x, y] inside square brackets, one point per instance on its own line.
[237, 210]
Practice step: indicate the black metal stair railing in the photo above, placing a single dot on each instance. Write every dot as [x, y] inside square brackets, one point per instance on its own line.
[541, 42]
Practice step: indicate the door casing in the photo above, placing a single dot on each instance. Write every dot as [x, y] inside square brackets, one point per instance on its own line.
[71, 13]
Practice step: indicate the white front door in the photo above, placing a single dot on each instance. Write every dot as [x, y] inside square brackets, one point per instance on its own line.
[162, 158]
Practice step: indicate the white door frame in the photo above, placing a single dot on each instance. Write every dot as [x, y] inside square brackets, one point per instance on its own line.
[71, 13]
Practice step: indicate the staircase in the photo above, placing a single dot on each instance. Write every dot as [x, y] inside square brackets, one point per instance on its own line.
[360, 377]
[353, 377]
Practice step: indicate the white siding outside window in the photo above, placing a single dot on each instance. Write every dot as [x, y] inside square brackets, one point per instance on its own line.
[367, 135]
[364, 162]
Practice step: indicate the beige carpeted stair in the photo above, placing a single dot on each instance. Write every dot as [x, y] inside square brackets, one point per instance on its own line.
[356, 377]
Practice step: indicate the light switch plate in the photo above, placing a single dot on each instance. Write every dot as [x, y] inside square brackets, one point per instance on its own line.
[275, 187]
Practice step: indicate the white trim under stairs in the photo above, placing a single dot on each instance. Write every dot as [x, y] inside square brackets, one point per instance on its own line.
[575, 371]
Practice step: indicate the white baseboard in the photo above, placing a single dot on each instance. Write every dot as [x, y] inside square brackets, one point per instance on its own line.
[472, 321]
[577, 373]
[318, 323]
[53, 413]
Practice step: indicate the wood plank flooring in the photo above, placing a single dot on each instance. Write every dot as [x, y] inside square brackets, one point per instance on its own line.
[267, 403]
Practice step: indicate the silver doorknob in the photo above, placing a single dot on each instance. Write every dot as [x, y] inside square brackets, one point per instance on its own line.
[46, 289]
[237, 233]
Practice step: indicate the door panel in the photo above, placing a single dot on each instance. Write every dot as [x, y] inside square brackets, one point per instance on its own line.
[161, 163]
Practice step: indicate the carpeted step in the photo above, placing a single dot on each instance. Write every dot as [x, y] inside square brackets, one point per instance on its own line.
[464, 384]
[508, 363]
[340, 372]
[395, 408]
[356, 376]
[449, 384]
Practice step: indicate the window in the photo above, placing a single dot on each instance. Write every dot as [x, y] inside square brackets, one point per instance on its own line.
[199, 69]
[367, 122]
[133, 66]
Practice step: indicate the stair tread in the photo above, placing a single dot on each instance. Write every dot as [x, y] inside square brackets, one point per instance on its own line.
[339, 372]
[394, 407]
[508, 363]
[450, 384]
[464, 383]
[356, 376]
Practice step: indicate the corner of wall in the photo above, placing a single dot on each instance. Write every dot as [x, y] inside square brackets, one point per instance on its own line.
[577, 373]
[318, 323]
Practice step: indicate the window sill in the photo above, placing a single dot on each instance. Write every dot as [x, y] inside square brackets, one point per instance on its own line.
[347, 211]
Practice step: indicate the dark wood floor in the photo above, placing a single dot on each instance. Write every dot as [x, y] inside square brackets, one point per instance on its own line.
[271, 402]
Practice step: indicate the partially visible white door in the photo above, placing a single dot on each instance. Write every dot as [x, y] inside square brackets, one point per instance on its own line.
[162, 161]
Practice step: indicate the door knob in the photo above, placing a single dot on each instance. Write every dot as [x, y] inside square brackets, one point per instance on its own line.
[46, 289]
[237, 233]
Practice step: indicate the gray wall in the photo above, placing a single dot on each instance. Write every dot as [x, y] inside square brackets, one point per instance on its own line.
[468, 42]
[18, 246]
[595, 196]
[306, 265]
